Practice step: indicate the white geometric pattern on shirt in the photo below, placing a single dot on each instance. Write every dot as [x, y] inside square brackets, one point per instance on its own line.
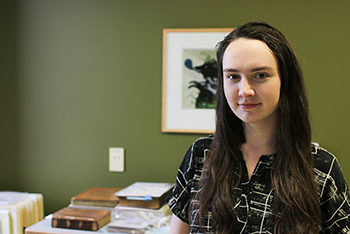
[254, 197]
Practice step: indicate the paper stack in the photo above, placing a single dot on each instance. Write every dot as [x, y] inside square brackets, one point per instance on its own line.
[141, 206]
[128, 226]
[144, 195]
[19, 210]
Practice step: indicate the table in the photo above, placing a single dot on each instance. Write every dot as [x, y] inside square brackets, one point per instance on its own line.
[44, 227]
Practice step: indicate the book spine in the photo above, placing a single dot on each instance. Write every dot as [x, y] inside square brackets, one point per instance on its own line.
[75, 224]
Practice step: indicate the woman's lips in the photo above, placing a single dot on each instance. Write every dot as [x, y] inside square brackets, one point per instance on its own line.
[248, 106]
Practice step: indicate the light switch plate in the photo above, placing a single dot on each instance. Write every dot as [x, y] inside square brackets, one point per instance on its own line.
[116, 159]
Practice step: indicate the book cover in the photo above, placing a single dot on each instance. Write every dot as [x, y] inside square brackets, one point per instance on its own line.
[145, 195]
[83, 219]
[97, 196]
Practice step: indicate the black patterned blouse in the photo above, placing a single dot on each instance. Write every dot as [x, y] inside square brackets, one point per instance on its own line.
[254, 197]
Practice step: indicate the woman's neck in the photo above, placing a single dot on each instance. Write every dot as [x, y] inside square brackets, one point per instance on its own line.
[260, 139]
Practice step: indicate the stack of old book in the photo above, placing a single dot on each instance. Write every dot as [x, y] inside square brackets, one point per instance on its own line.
[83, 219]
[90, 210]
[141, 206]
[134, 209]
[96, 198]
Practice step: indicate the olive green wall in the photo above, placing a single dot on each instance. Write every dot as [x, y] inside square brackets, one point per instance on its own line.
[89, 77]
[8, 124]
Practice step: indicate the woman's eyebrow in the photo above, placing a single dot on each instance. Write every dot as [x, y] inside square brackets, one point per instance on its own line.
[261, 69]
[230, 70]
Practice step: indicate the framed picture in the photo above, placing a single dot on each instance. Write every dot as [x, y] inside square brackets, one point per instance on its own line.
[190, 79]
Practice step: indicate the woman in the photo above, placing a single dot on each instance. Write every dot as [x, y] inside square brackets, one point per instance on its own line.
[259, 173]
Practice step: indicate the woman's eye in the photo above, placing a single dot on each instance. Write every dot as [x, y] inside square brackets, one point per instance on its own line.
[233, 76]
[261, 75]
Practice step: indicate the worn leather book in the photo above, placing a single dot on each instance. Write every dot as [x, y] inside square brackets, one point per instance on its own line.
[83, 219]
[97, 196]
[145, 195]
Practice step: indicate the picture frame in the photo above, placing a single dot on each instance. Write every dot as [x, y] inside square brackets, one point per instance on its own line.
[188, 83]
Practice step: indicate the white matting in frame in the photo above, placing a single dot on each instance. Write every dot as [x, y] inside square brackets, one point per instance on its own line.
[183, 51]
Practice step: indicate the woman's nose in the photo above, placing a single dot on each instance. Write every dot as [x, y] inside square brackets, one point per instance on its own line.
[245, 88]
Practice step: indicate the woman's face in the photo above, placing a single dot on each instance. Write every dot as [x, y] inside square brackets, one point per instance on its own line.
[251, 81]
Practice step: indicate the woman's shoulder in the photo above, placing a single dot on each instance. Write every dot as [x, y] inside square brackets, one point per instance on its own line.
[333, 191]
[203, 142]
[197, 153]
[326, 167]
[324, 159]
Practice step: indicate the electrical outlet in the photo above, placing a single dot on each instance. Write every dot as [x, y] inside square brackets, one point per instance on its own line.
[116, 159]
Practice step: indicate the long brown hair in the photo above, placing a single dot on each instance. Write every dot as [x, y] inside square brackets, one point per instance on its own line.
[296, 207]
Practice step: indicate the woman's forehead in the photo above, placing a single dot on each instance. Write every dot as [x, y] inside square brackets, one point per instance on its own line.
[245, 52]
